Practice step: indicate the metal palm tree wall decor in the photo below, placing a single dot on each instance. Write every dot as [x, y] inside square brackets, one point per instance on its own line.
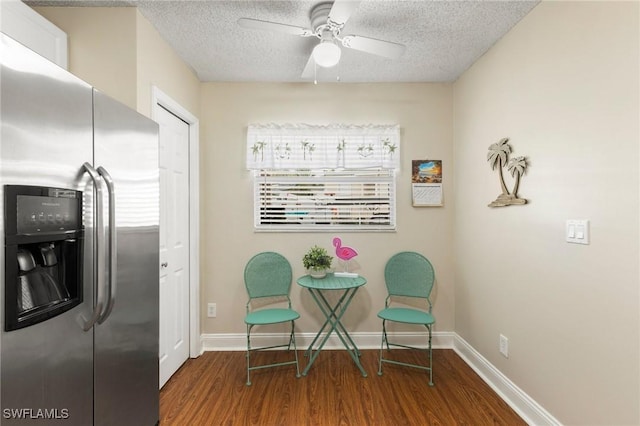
[498, 155]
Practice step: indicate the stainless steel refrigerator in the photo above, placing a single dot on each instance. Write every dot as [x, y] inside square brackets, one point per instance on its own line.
[79, 192]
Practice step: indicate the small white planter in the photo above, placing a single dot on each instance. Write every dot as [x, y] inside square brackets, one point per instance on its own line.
[318, 274]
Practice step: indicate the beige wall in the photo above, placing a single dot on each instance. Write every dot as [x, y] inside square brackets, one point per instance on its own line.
[102, 48]
[158, 65]
[563, 85]
[118, 51]
[424, 113]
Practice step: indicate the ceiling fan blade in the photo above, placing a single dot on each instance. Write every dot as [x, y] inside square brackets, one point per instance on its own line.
[274, 26]
[387, 49]
[309, 69]
[342, 10]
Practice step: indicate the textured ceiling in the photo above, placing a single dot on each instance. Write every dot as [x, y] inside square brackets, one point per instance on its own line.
[442, 38]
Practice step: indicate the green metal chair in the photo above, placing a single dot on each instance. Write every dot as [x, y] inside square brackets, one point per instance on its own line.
[268, 275]
[407, 275]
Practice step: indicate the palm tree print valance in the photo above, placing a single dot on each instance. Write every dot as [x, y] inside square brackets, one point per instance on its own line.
[304, 146]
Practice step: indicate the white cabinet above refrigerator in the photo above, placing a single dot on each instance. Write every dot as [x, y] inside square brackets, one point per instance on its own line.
[25, 25]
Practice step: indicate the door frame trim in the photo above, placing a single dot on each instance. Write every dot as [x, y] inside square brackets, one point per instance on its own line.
[159, 99]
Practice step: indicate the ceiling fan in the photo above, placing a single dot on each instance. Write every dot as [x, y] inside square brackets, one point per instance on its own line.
[327, 22]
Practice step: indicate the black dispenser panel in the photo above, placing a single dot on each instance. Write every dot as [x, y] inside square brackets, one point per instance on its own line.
[43, 252]
[38, 214]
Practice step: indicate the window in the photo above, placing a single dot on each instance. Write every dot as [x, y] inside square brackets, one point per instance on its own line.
[324, 199]
[314, 178]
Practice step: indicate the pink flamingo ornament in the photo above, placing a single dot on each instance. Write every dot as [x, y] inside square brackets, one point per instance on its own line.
[346, 254]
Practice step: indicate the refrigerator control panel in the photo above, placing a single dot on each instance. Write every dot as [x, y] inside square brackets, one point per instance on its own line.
[46, 214]
[37, 210]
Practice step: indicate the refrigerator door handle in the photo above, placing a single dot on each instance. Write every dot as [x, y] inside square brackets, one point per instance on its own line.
[98, 248]
[113, 265]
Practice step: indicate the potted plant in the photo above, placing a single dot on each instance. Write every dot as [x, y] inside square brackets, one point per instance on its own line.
[317, 261]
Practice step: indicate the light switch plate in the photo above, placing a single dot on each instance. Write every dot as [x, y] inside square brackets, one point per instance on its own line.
[577, 231]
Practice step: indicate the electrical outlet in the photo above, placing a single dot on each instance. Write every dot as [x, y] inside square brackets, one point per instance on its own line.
[211, 310]
[504, 346]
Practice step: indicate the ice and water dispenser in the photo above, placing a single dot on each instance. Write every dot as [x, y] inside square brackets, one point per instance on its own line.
[43, 253]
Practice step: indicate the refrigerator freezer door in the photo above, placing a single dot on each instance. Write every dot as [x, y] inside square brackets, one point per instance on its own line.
[126, 341]
[46, 114]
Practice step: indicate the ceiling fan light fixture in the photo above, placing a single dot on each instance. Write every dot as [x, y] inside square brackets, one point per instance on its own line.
[327, 54]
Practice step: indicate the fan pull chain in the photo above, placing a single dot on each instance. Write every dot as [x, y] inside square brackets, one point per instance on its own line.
[315, 72]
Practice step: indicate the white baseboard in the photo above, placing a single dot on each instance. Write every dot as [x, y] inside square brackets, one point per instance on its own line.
[523, 404]
[238, 342]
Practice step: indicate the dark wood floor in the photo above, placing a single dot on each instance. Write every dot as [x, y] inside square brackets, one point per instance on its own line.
[211, 390]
